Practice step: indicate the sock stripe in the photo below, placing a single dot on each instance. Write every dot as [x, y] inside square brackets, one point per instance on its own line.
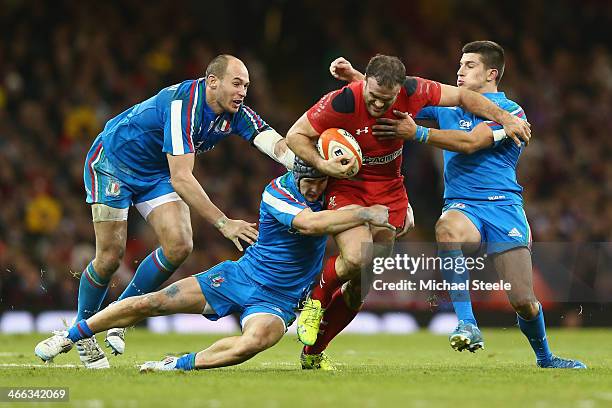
[92, 280]
[159, 263]
[78, 326]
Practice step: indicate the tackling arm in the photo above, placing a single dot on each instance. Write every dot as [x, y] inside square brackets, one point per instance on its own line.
[515, 128]
[308, 222]
[190, 190]
[275, 146]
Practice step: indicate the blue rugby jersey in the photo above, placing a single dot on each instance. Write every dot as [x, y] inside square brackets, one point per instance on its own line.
[488, 174]
[283, 259]
[175, 121]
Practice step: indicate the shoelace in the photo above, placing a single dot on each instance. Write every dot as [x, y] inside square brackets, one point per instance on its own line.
[315, 318]
[90, 347]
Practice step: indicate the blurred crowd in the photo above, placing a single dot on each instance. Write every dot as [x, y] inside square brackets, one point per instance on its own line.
[66, 68]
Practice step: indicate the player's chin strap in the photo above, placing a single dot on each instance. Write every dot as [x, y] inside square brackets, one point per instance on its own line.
[266, 142]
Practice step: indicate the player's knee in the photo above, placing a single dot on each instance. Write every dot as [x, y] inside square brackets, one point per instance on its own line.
[108, 260]
[354, 260]
[178, 251]
[446, 232]
[251, 345]
[527, 307]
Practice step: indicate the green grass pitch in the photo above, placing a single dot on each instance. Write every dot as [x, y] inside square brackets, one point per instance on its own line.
[418, 370]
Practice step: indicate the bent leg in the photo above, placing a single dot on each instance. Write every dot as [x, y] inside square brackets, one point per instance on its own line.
[184, 296]
[172, 226]
[514, 266]
[259, 333]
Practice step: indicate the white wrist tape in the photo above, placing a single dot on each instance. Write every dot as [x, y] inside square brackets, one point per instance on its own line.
[499, 134]
[266, 141]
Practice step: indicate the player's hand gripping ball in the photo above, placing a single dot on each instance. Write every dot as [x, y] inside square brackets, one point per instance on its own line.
[336, 142]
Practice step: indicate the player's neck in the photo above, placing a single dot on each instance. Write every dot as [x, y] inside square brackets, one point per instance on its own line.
[211, 101]
[488, 88]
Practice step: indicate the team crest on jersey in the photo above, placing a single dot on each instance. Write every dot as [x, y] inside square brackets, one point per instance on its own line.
[223, 127]
[332, 202]
[113, 189]
[216, 280]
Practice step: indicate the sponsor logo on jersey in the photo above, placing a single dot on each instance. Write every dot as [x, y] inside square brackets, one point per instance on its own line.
[465, 124]
[515, 233]
[373, 161]
[496, 197]
[360, 131]
[113, 189]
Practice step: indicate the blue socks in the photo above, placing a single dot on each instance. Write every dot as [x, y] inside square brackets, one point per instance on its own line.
[154, 270]
[79, 331]
[187, 362]
[92, 290]
[452, 263]
[535, 331]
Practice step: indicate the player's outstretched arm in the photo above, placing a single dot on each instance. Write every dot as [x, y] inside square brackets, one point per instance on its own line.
[301, 140]
[515, 128]
[463, 142]
[332, 222]
[460, 141]
[187, 186]
[341, 69]
[275, 146]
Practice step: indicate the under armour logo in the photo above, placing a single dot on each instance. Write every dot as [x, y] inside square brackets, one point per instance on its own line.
[360, 131]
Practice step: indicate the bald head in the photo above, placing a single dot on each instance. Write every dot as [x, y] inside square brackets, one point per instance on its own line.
[219, 65]
[227, 80]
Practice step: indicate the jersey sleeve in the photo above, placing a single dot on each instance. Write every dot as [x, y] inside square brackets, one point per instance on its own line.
[428, 112]
[330, 111]
[423, 91]
[248, 124]
[182, 118]
[280, 203]
[511, 107]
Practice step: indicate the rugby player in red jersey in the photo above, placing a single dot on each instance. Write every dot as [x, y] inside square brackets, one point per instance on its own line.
[385, 92]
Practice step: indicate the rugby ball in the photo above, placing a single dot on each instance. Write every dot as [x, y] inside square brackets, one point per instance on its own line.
[336, 142]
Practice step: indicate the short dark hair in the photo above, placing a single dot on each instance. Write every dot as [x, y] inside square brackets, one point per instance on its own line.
[388, 71]
[218, 66]
[492, 55]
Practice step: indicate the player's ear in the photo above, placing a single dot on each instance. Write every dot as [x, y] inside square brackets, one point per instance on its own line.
[493, 74]
[212, 81]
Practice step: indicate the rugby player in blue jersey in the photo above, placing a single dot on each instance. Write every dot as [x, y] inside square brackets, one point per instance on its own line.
[263, 287]
[483, 201]
[145, 157]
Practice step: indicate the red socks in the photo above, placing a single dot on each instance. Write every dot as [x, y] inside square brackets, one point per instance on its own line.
[337, 316]
[328, 283]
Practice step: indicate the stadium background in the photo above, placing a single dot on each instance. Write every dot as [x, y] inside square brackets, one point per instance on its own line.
[68, 67]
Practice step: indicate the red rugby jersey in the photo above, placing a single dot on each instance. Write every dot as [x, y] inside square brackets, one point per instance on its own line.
[345, 108]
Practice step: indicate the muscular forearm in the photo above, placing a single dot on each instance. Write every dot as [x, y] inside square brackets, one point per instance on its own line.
[303, 147]
[194, 195]
[334, 221]
[460, 141]
[481, 106]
